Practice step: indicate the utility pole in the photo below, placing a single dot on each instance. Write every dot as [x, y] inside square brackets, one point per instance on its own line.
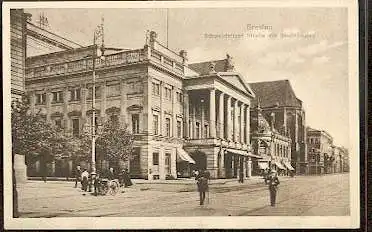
[98, 33]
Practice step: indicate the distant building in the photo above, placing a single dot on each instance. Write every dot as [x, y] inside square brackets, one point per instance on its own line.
[17, 52]
[320, 151]
[273, 147]
[183, 116]
[277, 99]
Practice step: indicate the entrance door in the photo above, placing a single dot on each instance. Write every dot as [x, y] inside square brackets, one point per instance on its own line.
[200, 160]
[228, 165]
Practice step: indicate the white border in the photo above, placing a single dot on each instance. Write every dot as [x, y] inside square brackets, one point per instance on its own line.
[191, 222]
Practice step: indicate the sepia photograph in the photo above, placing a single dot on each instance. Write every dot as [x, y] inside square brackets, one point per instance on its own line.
[145, 115]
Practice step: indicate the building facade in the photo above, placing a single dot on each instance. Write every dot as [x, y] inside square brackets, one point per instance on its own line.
[273, 148]
[277, 99]
[320, 150]
[17, 52]
[183, 116]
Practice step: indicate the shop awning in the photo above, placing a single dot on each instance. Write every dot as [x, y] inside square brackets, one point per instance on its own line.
[263, 165]
[183, 156]
[289, 166]
[243, 152]
[279, 165]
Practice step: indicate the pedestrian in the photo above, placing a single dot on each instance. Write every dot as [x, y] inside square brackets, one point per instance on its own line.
[241, 175]
[84, 180]
[202, 183]
[111, 174]
[126, 178]
[77, 175]
[273, 183]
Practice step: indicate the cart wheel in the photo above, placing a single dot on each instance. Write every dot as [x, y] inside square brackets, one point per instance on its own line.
[114, 187]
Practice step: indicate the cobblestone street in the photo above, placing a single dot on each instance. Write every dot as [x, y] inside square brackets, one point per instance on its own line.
[303, 195]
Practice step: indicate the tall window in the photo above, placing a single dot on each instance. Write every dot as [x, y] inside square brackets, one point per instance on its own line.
[167, 163]
[75, 94]
[114, 119]
[197, 130]
[156, 89]
[58, 123]
[97, 93]
[156, 124]
[179, 129]
[41, 99]
[155, 158]
[206, 131]
[135, 123]
[168, 93]
[168, 127]
[57, 97]
[75, 127]
[179, 97]
[113, 90]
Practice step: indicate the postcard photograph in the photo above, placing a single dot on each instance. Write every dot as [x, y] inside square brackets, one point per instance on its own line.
[181, 115]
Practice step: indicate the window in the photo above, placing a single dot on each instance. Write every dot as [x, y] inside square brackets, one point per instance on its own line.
[206, 131]
[97, 93]
[156, 89]
[57, 97]
[167, 163]
[75, 127]
[179, 129]
[197, 130]
[179, 97]
[75, 94]
[58, 123]
[168, 127]
[113, 90]
[155, 158]
[40, 99]
[168, 94]
[156, 124]
[135, 123]
[114, 119]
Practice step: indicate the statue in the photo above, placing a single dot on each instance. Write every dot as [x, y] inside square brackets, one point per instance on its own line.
[229, 63]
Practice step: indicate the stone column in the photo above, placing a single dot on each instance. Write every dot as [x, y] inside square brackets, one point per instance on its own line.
[222, 164]
[245, 161]
[53, 168]
[174, 114]
[186, 115]
[247, 125]
[249, 174]
[202, 107]
[212, 113]
[49, 99]
[238, 160]
[65, 109]
[221, 116]
[147, 111]
[161, 164]
[193, 134]
[236, 123]
[123, 102]
[228, 119]
[161, 113]
[242, 123]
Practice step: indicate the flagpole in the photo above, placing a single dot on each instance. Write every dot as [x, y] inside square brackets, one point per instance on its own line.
[94, 105]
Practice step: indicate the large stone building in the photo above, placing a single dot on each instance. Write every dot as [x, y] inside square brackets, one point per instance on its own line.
[273, 147]
[179, 113]
[277, 99]
[320, 151]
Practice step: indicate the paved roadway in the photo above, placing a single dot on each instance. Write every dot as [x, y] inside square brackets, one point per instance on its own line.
[299, 196]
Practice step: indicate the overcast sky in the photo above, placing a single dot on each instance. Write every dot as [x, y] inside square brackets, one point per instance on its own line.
[317, 66]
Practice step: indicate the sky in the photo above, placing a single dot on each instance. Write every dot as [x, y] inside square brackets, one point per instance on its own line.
[314, 59]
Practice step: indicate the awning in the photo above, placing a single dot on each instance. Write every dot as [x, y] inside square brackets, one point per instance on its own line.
[279, 165]
[183, 156]
[289, 166]
[263, 165]
[243, 153]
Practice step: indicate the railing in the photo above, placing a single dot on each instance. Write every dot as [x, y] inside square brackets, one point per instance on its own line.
[86, 64]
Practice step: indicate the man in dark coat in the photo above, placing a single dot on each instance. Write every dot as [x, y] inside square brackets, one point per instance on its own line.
[77, 175]
[126, 178]
[202, 183]
[273, 183]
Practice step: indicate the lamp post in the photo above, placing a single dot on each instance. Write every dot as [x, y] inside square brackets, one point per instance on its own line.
[98, 33]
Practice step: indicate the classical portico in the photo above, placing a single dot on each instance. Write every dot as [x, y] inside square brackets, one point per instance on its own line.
[219, 106]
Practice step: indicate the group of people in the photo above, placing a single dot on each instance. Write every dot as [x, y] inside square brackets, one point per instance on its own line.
[202, 178]
[95, 179]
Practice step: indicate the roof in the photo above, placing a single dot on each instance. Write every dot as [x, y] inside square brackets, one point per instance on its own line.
[204, 67]
[274, 93]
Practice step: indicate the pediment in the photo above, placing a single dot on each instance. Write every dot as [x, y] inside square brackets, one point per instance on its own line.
[237, 81]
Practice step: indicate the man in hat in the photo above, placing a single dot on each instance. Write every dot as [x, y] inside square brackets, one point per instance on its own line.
[77, 175]
[202, 183]
[273, 183]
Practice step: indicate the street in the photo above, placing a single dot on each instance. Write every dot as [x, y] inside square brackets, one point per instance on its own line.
[326, 195]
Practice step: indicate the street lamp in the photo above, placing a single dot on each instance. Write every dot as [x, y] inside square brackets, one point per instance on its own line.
[98, 33]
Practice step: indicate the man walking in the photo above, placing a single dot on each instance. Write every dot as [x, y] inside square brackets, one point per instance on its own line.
[85, 180]
[273, 183]
[77, 175]
[202, 183]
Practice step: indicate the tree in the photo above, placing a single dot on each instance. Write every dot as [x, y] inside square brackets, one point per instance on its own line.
[113, 143]
[35, 138]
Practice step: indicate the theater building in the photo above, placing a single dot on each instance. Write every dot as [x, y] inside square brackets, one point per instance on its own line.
[278, 98]
[183, 116]
[273, 147]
